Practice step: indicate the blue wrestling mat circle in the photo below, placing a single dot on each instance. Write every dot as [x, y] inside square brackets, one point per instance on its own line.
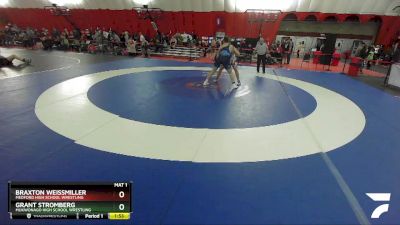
[177, 98]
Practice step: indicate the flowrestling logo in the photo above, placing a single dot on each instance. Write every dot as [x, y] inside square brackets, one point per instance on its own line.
[379, 197]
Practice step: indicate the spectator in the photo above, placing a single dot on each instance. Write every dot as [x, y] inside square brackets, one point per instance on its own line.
[141, 37]
[145, 48]
[362, 52]
[370, 56]
[288, 49]
[300, 48]
[173, 42]
[185, 38]
[84, 43]
[31, 37]
[55, 33]
[64, 45]
[143, 42]
[158, 42]
[218, 43]
[125, 38]
[213, 44]
[76, 34]
[47, 42]
[66, 33]
[131, 46]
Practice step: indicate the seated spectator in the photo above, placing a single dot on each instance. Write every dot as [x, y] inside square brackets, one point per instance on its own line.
[213, 45]
[76, 44]
[218, 44]
[66, 33]
[165, 44]
[47, 43]
[131, 46]
[45, 32]
[173, 42]
[145, 48]
[23, 38]
[76, 34]
[179, 39]
[125, 38]
[64, 43]
[83, 43]
[136, 36]
[115, 39]
[141, 37]
[158, 42]
[56, 41]
[242, 44]
[185, 38]
[189, 39]
[92, 48]
[370, 56]
[8, 36]
[88, 34]
[31, 37]
[55, 33]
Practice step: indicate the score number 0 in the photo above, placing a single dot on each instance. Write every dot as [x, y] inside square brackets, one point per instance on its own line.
[121, 206]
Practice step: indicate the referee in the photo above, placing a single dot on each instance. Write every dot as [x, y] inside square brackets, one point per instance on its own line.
[261, 50]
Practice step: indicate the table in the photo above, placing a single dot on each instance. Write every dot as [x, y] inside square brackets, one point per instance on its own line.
[394, 78]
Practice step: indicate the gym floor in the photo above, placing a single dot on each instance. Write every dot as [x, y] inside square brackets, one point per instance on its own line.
[287, 147]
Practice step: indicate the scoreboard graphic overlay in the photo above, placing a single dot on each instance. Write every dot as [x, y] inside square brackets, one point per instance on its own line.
[108, 200]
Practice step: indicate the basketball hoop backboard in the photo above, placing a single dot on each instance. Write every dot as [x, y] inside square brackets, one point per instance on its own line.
[58, 10]
[262, 15]
[148, 13]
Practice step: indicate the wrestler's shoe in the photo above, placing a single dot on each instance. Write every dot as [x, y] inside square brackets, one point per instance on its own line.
[234, 86]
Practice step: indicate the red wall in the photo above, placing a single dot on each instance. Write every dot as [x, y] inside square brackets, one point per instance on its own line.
[37, 18]
[203, 23]
[389, 30]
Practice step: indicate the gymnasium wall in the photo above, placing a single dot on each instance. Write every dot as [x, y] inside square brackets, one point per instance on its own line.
[356, 29]
[203, 23]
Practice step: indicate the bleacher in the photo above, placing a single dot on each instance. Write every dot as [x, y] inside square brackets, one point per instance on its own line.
[184, 52]
[178, 51]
